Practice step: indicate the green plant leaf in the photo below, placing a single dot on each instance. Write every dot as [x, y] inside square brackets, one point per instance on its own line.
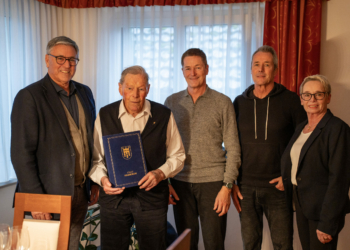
[91, 247]
[81, 247]
[84, 236]
[90, 212]
[93, 223]
[92, 237]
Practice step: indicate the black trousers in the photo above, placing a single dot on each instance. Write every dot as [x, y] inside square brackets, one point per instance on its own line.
[197, 200]
[79, 208]
[151, 226]
[307, 230]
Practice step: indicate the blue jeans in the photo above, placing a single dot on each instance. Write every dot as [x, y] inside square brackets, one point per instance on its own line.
[257, 201]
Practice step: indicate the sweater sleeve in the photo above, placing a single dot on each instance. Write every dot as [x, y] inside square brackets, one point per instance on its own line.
[231, 143]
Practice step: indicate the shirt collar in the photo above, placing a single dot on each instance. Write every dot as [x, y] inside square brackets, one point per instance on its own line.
[206, 93]
[145, 110]
[60, 90]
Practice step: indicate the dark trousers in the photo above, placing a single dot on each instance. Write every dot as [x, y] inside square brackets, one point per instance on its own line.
[307, 230]
[151, 226]
[197, 199]
[257, 201]
[79, 209]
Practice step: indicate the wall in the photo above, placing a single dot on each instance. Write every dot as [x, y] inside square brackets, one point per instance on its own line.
[335, 54]
[335, 64]
[6, 198]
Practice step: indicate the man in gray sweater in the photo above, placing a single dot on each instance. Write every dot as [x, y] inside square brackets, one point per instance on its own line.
[206, 120]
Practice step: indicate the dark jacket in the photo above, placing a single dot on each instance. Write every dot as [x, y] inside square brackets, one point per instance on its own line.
[323, 175]
[42, 150]
[154, 146]
[265, 127]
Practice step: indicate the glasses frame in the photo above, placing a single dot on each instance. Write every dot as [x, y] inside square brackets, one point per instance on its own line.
[66, 59]
[314, 95]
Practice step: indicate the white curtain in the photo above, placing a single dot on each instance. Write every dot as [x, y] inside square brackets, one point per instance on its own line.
[156, 37]
[111, 39]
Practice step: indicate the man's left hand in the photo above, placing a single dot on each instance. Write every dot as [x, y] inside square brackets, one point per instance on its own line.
[279, 181]
[151, 179]
[95, 192]
[323, 237]
[223, 201]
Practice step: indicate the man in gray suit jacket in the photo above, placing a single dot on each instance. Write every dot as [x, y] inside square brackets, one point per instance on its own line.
[51, 142]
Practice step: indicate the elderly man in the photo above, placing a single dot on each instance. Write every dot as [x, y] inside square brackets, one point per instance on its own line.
[51, 142]
[206, 120]
[267, 115]
[146, 205]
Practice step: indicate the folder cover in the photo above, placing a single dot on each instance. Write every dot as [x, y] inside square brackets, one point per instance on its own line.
[125, 159]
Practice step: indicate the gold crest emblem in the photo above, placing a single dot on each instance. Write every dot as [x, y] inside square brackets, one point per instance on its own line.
[126, 152]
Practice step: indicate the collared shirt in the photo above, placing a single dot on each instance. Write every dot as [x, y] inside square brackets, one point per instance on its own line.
[175, 153]
[69, 101]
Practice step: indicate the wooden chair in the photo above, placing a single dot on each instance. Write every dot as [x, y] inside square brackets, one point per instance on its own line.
[57, 204]
[182, 242]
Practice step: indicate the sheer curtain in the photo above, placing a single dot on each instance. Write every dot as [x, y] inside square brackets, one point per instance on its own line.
[155, 38]
[111, 39]
[26, 26]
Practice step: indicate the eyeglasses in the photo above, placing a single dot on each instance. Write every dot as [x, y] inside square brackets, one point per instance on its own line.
[308, 96]
[61, 60]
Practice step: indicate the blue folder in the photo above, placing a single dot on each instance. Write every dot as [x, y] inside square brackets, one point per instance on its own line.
[125, 159]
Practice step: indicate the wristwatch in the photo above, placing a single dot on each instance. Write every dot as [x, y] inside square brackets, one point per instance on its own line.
[228, 185]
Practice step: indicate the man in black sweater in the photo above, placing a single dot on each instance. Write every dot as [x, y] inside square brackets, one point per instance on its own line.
[267, 114]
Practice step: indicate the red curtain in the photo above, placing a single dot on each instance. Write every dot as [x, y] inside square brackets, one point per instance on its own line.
[293, 29]
[123, 3]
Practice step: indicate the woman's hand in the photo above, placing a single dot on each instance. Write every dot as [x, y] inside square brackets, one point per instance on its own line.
[323, 237]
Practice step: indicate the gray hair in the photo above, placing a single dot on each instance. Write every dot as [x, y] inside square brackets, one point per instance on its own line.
[320, 78]
[61, 40]
[267, 49]
[134, 70]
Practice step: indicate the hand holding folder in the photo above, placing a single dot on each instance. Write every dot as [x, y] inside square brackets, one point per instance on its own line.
[151, 179]
[107, 187]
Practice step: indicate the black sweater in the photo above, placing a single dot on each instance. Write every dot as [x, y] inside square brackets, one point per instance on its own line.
[265, 127]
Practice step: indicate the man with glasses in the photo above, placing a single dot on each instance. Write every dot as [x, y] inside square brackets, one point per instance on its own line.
[51, 142]
[267, 115]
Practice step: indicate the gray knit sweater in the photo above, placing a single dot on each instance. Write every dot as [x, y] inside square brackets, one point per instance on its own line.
[204, 126]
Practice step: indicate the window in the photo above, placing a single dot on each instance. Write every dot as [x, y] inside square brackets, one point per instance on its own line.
[156, 37]
[7, 173]
[225, 57]
[111, 39]
[155, 48]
